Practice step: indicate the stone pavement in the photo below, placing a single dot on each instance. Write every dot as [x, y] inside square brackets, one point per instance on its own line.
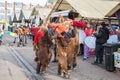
[84, 71]
[9, 69]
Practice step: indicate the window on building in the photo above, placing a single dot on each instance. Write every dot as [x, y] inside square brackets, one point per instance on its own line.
[18, 5]
[8, 17]
[1, 4]
[2, 10]
[1, 17]
[25, 6]
[9, 5]
[8, 11]
[17, 11]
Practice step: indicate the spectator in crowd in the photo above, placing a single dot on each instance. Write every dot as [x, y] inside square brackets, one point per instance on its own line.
[20, 36]
[118, 33]
[3, 27]
[101, 38]
[1, 33]
[16, 31]
[25, 30]
[88, 31]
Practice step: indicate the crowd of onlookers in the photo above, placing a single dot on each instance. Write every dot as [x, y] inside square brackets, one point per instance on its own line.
[103, 33]
[24, 32]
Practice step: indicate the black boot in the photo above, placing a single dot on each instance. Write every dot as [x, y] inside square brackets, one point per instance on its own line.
[74, 65]
[68, 67]
[38, 69]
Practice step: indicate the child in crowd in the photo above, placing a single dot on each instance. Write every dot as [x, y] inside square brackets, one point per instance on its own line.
[88, 31]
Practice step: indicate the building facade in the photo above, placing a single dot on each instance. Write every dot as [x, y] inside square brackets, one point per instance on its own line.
[8, 9]
[51, 1]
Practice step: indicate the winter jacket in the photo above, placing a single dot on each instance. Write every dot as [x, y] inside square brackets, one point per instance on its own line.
[102, 36]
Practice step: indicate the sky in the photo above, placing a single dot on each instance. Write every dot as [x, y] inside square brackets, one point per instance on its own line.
[41, 2]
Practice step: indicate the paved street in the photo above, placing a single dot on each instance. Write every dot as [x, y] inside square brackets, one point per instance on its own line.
[84, 71]
[9, 69]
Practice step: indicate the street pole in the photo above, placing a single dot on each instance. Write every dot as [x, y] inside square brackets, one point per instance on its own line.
[5, 5]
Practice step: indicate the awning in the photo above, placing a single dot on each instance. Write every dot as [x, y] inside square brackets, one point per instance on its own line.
[63, 13]
[86, 8]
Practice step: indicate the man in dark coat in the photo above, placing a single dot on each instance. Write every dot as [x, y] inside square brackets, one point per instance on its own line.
[101, 38]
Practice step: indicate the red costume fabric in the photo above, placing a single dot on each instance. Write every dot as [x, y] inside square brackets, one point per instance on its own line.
[34, 30]
[89, 31]
[78, 24]
[38, 36]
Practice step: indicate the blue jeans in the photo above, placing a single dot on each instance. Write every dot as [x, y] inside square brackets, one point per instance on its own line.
[25, 39]
[99, 53]
[21, 39]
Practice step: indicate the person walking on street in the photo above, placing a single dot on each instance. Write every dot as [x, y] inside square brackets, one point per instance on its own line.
[101, 38]
[26, 30]
[16, 31]
[1, 36]
[21, 36]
